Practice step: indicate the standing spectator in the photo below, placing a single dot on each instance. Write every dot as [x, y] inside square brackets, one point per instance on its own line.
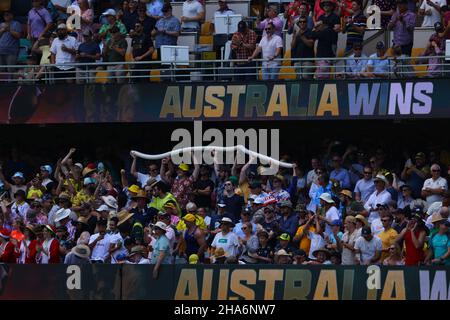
[167, 29]
[436, 49]
[288, 220]
[401, 64]
[415, 174]
[368, 248]
[331, 213]
[414, 237]
[87, 19]
[348, 241]
[142, 50]
[232, 201]
[243, 43]
[153, 171]
[154, 9]
[379, 197]
[365, 187]
[193, 14]
[63, 53]
[272, 18]
[223, 9]
[403, 23]
[387, 9]
[331, 19]
[313, 173]
[130, 15]
[249, 243]
[340, 174]
[203, 188]
[194, 237]
[226, 239]
[378, 66]
[105, 32]
[10, 33]
[388, 235]
[302, 47]
[99, 243]
[161, 248]
[431, 12]
[434, 187]
[48, 248]
[39, 21]
[270, 46]
[356, 64]
[439, 243]
[325, 40]
[147, 22]
[355, 25]
[114, 51]
[88, 52]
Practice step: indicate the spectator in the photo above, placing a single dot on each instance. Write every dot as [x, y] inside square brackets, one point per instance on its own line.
[415, 174]
[332, 21]
[355, 25]
[401, 64]
[378, 66]
[58, 9]
[325, 42]
[223, 8]
[154, 9]
[302, 47]
[99, 243]
[313, 174]
[142, 50]
[63, 53]
[322, 256]
[147, 22]
[248, 243]
[136, 256]
[226, 239]
[365, 187]
[270, 46]
[106, 31]
[379, 197]
[245, 218]
[88, 52]
[368, 248]
[356, 65]
[39, 21]
[404, 199]
[434, 187]
[8, 251]
[431, 11]
[243, 44]
[282, 257]
[403, 23]
[87, 19]
[395, 256]
[296, 10]
[388, 235]
[194, 237]
[347, 244]
[387, 9]
[439, 243]
[414, 238]
[161, 248]
[48, 247]
[288, 220]
[130, 15]
[10, 33]
[193, 14]
[167, 29]
[114, 51]
[340, 174]
[435, 47]
[401, 217]
[264, 252]
[272, 18]
[203, 188]
[79, 255]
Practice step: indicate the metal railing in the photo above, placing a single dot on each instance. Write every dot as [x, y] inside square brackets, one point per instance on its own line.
[222, 70]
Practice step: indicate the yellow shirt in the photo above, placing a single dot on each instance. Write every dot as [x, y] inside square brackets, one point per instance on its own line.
[199, 222]
[81, 197]
[387, 239]
[34, 193]
[245, 190]
[305, 242]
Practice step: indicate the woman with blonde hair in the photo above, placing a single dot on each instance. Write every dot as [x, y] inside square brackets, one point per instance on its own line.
[395, 256]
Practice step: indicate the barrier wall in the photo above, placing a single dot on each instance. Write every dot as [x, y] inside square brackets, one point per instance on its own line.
[214, 282]
[231, 101]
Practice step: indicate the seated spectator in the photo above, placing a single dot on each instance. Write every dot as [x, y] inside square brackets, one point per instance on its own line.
[130, 15]
[379, 65]
[78, 255]
[10, 33]
[39, 21]
[401, 65]
[63, 52]
[193, 14]
[404, 198]
[88, 52]
[154, 9]
[431, 11]
[302, 47]
[435, 47]
[114, 51]
[243, 44]
[356, 64]
[355, 25]
[270, 47]
[271, 13]
[394, 257]
[167, 29]
[403, 23]
[111, 21]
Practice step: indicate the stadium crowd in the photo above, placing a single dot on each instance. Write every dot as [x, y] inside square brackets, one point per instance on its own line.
[149, 24]
[351, 207]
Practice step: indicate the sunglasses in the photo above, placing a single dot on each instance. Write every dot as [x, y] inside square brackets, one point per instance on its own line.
[385, 220]
[435, 170]
[228, 184]
[302, 21]
[365, 172]
[268, 29]
[392, 248]
[244, 228]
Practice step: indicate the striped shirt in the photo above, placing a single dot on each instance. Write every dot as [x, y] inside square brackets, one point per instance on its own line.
[354, 36]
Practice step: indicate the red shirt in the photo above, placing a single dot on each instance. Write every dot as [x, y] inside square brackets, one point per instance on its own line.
[31, 256]
[8, 253]
[413, 256]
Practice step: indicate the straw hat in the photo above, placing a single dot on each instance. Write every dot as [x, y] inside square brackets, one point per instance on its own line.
[123, 216]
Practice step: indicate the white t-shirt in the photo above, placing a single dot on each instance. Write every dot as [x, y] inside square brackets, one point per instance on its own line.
[331, 215]
[63, 57]
[143, 178]
[311, 176]
[376, 226]
[115, 239]
[439, 183]
[229, 243]
[317, 242]
[348, 256]
[269, 46]
[365, 189]
[383, 197]
[191, 9]
[429, 21]
[368, 248]
[100, 251]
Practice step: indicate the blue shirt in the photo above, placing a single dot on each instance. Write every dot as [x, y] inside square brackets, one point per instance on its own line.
[8, 44]
[342, 176]
[440, 244]
[154, 8]
[289, 225]
[382, 66]
[161, 244]
[169, 24]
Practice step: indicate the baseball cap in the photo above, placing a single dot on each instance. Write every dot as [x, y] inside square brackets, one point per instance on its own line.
[88, 181]
[193, 259]
[285, 236]
[161, 225]
[337, 222]
[420, 155]
[366, 231]
[18, 174]
[380, 45]
[47, 168]
[300, 252]
[285, 203]
[109, 12]
[61, 26]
